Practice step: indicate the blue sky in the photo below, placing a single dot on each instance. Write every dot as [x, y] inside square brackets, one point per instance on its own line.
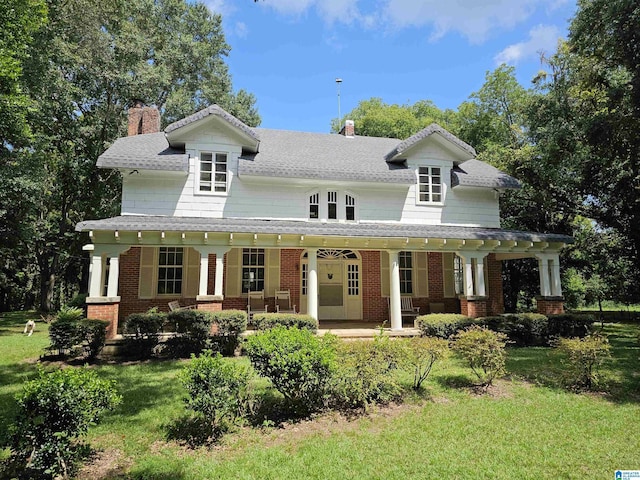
[288, 53]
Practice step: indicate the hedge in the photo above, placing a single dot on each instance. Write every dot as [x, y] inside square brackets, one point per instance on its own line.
[442, 325]
[266, 321]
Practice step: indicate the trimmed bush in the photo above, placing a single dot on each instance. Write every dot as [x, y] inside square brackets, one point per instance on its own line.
[65, 336]
[522, 329]
[217, 389]
[483, 350]
[442, 325]
[94, 336]
[142, 332]
[54, 411]
[265, 321]
[584, 356]
[366, 373]
[230, 325]
[421, 354]
[299, 364]
[193, 329]
[569, 325]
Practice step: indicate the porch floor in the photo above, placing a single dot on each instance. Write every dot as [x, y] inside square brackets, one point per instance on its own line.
[361, 329]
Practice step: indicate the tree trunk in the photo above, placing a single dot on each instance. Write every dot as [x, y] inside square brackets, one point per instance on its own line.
[47, 284]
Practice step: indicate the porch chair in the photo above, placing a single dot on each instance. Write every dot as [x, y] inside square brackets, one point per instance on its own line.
[175, 305]
[283, 302]
[256, 304]
[406, 308]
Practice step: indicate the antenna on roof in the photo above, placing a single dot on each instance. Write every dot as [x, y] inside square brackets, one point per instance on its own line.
[338, 82]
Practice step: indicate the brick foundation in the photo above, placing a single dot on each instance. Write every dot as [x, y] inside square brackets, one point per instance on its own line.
[474, 307]
[105, 311]
[550, 305]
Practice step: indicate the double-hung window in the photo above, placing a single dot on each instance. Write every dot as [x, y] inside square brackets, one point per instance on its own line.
[253, 261]
[405, 260]
[170, 270]
[429, 184]
[350, 207]
[332, 205]
[213, 172]
[314, 206]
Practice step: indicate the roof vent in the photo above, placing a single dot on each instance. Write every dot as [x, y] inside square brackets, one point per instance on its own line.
[349, 129]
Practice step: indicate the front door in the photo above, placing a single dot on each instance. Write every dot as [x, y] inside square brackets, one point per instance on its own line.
[339, 285]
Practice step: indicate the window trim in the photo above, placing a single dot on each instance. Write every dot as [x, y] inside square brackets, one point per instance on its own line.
[199, 171]
[253, 251]
[431, 184]
[157, 273]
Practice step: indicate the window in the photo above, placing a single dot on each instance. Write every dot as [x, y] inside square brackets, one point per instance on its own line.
[353, 280]
[458, 275]
[213, 172]
[429, 185]
[252, 269]
[314, 205]
[305, 269]
[406, 265]
[170, 270]
[350, 207]
[332, 204]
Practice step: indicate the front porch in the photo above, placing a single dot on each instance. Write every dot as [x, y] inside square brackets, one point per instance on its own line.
[330, 277]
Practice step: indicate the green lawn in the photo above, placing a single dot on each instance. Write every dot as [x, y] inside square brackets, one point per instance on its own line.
[529, 427]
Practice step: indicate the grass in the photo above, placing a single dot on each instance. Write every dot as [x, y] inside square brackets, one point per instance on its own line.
[529, 426]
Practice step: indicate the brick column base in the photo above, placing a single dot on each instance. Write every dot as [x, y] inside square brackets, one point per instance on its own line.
[550, 305]
[473, 307]
[210, 303]
[105, 308]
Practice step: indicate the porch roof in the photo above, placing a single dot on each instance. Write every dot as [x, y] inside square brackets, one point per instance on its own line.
[137, 223]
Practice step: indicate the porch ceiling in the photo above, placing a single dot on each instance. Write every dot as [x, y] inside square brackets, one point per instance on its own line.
[155, 230]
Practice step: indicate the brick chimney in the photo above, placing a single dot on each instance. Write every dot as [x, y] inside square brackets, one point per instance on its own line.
[349, 129]
[143, 119]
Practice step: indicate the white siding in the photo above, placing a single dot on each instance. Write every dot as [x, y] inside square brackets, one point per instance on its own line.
[176, 195]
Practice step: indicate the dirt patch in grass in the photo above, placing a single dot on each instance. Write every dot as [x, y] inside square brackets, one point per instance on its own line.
[109, 463]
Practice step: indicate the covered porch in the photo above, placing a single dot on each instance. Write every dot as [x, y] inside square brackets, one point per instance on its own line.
[356, 274]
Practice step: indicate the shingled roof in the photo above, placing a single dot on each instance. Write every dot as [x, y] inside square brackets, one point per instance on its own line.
[474, 173]
[150, 151]
[396, 153]
[214, 110]
[323, 156]
[385, 230]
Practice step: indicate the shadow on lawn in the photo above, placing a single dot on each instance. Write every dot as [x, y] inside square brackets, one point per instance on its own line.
[619, 377]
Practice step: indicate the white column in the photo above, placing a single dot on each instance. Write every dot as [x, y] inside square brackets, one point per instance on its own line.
[556, 287]
[204, 273]
[312, 283]
[95, 276]
[219, 280]
[395, 307]
[543, 267]
[468, 276]
[114, 273]
[480, 287]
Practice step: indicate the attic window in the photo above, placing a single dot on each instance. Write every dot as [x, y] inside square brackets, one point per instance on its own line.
[350, 207]
[213, 172]
[429, 185]
[332, 204]
[314, 205]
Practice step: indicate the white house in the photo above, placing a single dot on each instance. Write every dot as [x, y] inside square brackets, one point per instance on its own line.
[213, 209]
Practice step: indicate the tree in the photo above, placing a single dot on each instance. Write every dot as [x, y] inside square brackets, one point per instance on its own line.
[374, 118]
[83, 70]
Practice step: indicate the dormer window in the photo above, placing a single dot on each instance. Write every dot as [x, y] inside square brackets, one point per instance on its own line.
[213, 173]
[314, 206]
[332, 205]
[429, 185]
[350, 207]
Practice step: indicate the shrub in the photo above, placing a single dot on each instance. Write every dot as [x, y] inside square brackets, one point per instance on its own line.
[523, 329]
[94, 336]
[54, 411]
[265, 321]
[217, 389]
[366, 372]
[230, 325]
[298, 363]
[69, 314]
[442, 325]
[193, 329]
[78, 301]
[569, 325]
[421, 354]
[584, 356]
[483, 350]
[64, 335]
[142, 332]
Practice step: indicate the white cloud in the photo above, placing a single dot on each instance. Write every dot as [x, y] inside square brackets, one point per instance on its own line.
[219, 6]
[241, 29]
[543, 38]
[331, 11]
